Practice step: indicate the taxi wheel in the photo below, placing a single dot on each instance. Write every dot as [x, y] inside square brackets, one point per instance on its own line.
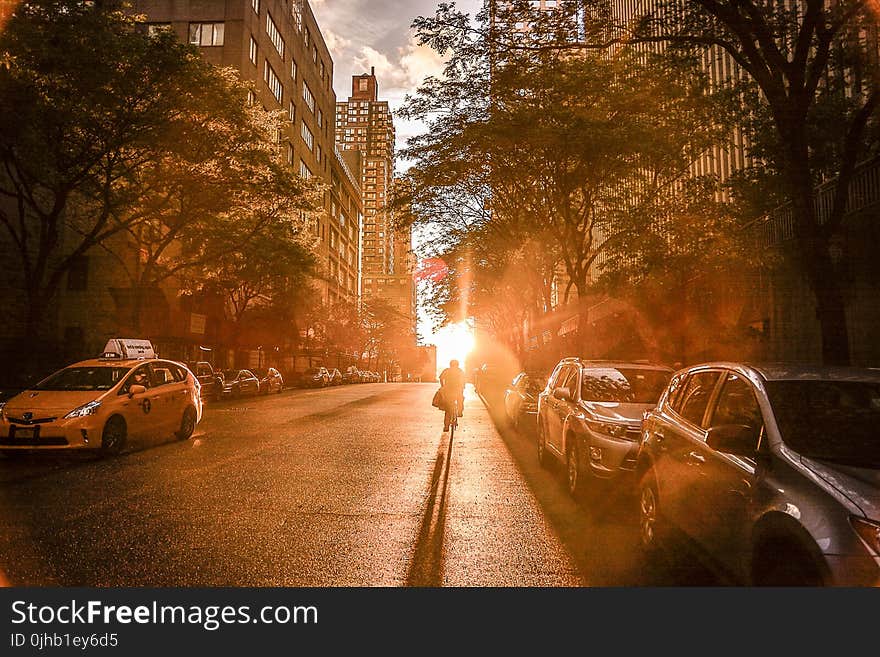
[187, 424]
[114, 436]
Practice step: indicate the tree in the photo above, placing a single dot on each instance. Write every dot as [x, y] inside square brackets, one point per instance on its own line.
[219, 186]
[813, 65]
[576, 152]
[266, 274]
[386, 334]
[93, 112]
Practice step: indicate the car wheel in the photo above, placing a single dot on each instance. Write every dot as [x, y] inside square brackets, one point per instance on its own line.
[187, 424]
[783, 562]
[575, 477]
[543, 456]
[114, 436]
[652, 532]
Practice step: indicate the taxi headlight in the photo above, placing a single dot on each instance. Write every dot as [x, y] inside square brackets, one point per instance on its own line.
[2, 411]
[86, 409]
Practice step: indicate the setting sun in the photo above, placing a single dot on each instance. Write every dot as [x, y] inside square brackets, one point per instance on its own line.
[453, 341]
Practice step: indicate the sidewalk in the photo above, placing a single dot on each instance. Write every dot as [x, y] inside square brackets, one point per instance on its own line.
[483, 526]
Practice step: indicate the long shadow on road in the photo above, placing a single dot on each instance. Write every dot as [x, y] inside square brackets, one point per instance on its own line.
[427, 564]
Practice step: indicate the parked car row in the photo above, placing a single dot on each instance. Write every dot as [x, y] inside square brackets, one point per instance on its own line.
[322, 377]
[217, 384]
[771, 472]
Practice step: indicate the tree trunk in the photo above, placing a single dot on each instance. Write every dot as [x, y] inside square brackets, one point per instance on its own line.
[814, 255]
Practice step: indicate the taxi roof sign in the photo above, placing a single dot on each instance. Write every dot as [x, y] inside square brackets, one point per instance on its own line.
[128, 349]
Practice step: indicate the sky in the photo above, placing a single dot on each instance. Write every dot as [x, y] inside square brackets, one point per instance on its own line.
[365, 33]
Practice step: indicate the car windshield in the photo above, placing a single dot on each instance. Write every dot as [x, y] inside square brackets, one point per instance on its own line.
[829, 420]
[623, 385]
[535, 383]
[83, 378]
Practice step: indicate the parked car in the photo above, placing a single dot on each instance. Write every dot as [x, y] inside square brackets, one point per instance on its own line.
[270, 380]
[521, 398]
[773, 471]
[590, 417]
[351, 375]
[240, 383]
[315, 377]
[335, 377]
[211, 381]
[102, 404]
[488, 379]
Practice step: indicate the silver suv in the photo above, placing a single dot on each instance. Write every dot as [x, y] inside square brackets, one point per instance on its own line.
[774, 471]
[590, 417]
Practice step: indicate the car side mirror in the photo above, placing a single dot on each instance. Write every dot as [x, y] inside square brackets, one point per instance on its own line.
[736, 439]
[136, 390]
[563, 394]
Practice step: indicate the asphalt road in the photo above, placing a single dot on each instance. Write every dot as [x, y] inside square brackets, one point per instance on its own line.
[348, 486]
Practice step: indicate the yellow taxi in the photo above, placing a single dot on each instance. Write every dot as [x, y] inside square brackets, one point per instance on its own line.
[127, 393]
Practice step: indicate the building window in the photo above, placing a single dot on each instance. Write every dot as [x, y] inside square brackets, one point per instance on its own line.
[291, 112]
[273, 82]
[308, 97]
[362, 84]
[255, 5]
[307, 38]
[320, 119]
[253, 51]
[307, 136]
[293, 70]
[323, 71]
[206, 34]
[318, 153]
[251, 98]
[296, 11]
[274, 35]
[289, 153]
[315, 54]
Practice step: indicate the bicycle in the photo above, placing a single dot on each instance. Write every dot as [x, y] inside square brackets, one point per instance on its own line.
[454, 422]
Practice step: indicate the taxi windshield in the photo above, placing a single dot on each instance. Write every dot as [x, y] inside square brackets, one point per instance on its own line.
[83, 379]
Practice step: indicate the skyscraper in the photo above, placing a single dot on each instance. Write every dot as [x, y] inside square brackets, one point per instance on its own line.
[365, 131]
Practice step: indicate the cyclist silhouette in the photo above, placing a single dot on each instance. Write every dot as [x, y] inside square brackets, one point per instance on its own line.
[452, 385]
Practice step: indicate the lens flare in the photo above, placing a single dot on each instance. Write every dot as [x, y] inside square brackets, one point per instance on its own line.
[453, 341]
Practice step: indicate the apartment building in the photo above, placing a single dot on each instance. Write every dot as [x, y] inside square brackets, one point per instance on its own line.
[365, 132]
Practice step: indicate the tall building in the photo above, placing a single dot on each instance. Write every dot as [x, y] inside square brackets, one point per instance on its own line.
[364, 124]
[365, 133]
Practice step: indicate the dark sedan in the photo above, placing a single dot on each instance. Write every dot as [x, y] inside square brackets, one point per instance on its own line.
[772, 471]
[315, 377]
[521, 399]
[240, 383]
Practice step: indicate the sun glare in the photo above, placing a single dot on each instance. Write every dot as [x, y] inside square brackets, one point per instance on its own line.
[453, 341]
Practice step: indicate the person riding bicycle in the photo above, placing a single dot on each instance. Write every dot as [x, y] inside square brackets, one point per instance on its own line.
[452, 386]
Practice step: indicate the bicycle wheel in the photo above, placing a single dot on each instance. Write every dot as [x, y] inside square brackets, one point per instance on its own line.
[454, 423]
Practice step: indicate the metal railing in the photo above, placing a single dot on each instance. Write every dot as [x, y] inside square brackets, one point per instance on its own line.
[780, 225]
